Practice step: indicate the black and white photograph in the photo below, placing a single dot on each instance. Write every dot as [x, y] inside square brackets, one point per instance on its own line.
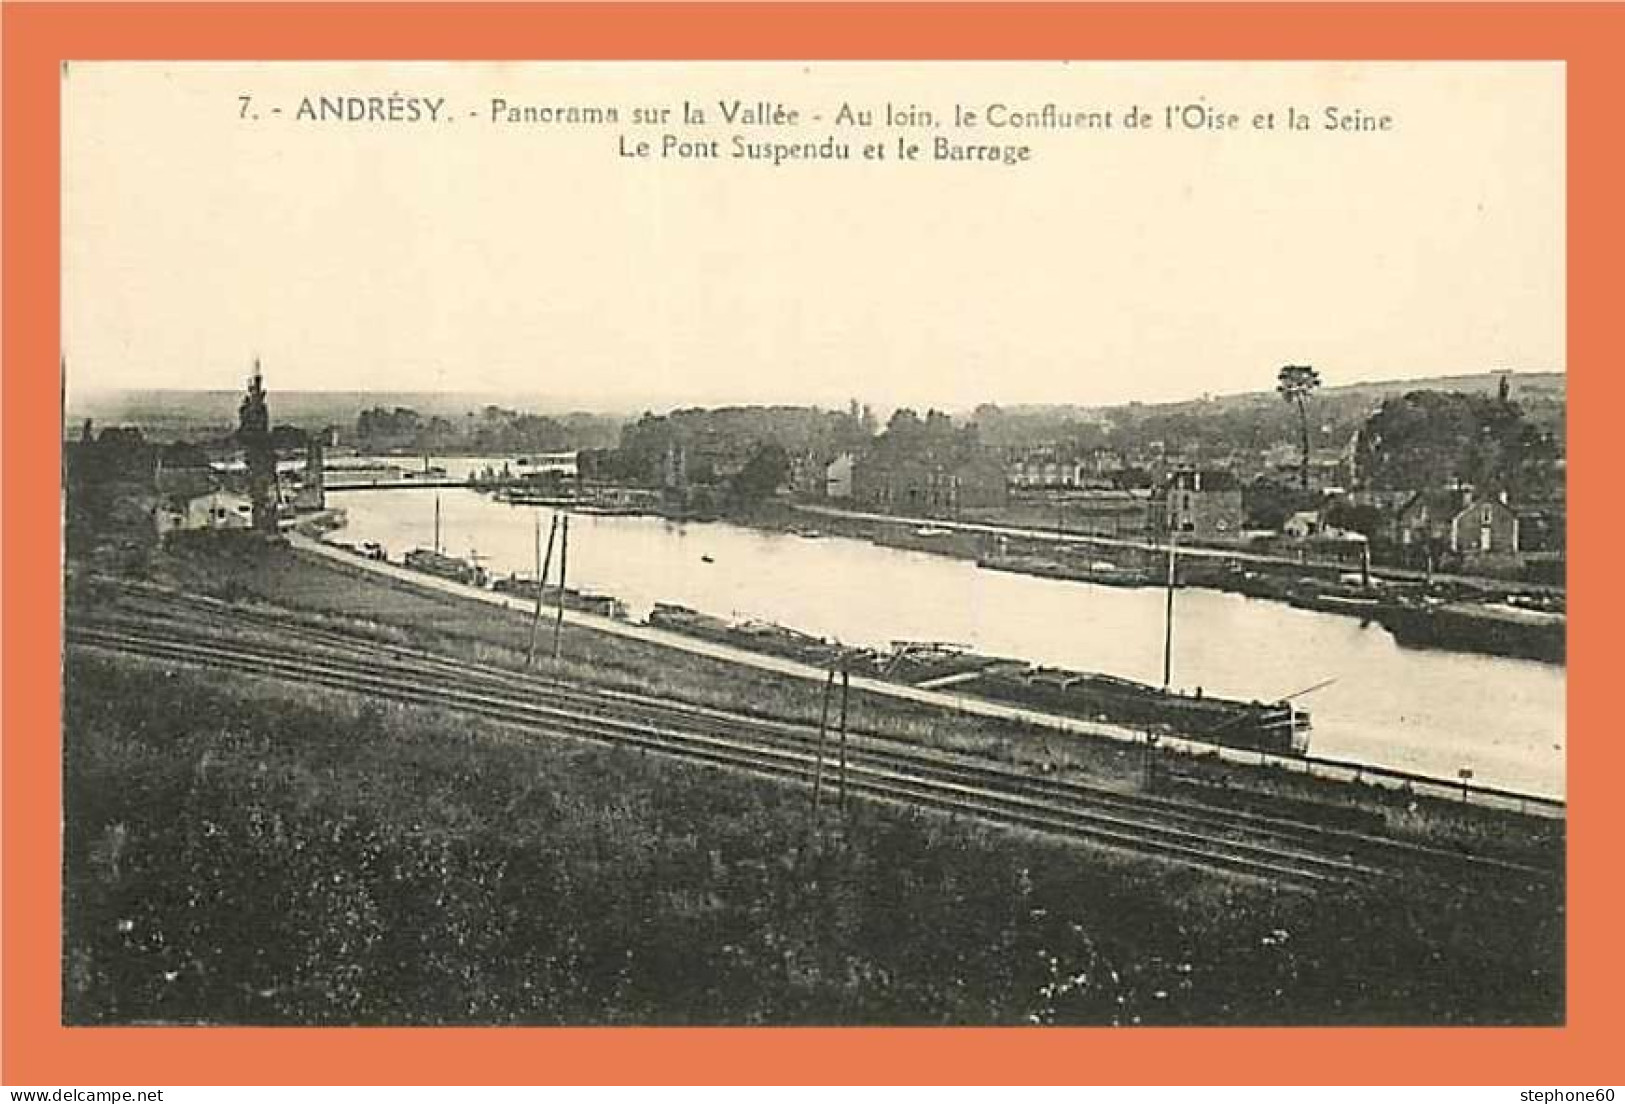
[781, 543]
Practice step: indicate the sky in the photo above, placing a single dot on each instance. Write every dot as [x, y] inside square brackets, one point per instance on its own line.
[1114, 265]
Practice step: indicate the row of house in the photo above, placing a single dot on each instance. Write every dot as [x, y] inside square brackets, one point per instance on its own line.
[1481, 527]
[219, 497]
[1049, 469]
[1052, 468]
[1200, 504]
[927, 483]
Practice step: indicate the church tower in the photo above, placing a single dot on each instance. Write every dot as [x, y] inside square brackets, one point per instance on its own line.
[254, 434]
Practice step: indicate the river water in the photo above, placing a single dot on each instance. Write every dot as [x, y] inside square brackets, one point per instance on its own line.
[1433, 712]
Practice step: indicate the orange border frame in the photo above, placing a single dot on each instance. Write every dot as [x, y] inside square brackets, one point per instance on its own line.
[38, 1050]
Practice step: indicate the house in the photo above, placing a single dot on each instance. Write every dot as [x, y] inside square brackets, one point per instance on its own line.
[1043, 470]
[1302, 525]
[927, 483]
[807, 474]
[838, 476]
[1485, 528]
[1487, 533]
[1426, 520]
[214, 509]
[821, 474]
[1102, 462]
[1202, 504]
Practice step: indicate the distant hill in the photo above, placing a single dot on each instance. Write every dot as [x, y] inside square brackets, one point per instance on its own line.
[1247, 419]
[1540, 386]
[181, 414]
[1256, 418]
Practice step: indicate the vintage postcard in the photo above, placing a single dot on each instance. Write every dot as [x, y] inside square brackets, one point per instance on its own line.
[814, 543]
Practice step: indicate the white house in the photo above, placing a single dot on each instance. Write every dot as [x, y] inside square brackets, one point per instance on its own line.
[214, 510]
[1302, 525]
[838, 476]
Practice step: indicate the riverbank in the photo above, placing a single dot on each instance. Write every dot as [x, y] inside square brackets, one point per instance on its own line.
[1446, 612]
[1435, 611]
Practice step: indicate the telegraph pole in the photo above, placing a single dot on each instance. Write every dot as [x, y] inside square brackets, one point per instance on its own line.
[846, 690]
[542, 564]
[1168, 618]
[564, 559]
[823, 725]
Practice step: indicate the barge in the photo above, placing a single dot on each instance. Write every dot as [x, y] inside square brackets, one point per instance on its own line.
[435, 563]
[756, 636]
[1098, 572]
[1277, 727]
[1493, 628]
[583, 601]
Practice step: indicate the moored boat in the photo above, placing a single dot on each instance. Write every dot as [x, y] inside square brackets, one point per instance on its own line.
[435, 563]
[1490, 627]
[1277, 727]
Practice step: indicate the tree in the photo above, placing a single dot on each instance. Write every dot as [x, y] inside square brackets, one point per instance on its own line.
[254, 434]
[183, 454]
[288, 438]
[1357, 517]
[765, 471]
[904, 423]
[1426, 439]
[1267, 503]
[1295, 383]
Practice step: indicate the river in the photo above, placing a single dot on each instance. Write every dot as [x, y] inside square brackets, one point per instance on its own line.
[1433, 712]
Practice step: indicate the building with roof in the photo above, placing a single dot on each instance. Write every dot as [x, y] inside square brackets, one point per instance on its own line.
[1204, 504]
[1485, 528]
[1426, 519]
[214, 509]
[924, 483]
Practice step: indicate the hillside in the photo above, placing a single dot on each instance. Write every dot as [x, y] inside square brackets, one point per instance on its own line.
[1256, 419]
[1252, 419]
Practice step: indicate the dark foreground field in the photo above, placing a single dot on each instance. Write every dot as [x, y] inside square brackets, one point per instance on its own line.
[257, 853]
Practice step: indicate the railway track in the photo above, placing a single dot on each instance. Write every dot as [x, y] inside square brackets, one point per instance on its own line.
[191, 630]
[866, 778]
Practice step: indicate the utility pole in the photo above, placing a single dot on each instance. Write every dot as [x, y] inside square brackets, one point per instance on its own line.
[542, 564]
[846, 691]
[564, 559]
[823, 725]
[1168, 618]
[437, 525]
